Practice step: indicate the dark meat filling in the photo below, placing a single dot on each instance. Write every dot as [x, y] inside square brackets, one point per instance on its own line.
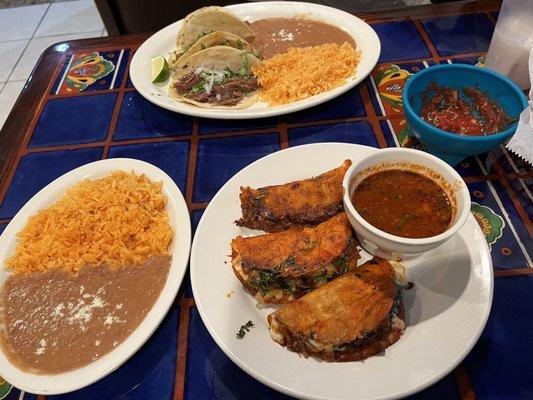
[226, 93]
[187, 82]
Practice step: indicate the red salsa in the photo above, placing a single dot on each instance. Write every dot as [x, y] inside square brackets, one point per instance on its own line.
[403, 203]
[472, 113]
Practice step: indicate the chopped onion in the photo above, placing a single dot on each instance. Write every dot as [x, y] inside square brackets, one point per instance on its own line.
[210, 77]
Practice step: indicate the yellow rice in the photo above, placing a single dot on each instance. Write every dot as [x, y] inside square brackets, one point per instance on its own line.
[302, 72]
[117, 220]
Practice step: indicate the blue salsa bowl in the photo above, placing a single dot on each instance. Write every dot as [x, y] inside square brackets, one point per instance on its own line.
[452, 147]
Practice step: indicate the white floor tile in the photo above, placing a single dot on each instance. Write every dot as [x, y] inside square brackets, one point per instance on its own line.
[38, 45]
[9, 55]
[70, 17]
[20, 22]
[8, 97]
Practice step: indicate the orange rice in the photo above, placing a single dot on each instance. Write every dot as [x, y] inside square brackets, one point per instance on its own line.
[305, 71]
[117, 220]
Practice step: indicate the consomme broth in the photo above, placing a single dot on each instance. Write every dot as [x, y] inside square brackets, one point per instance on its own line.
[403, 203]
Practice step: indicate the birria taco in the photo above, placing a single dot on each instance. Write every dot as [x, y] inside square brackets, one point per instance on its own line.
[217, 77]
[218, 38]
[207, 20]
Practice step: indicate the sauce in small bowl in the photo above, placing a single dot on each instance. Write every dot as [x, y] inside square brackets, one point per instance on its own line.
[454, 147]
[403, 202]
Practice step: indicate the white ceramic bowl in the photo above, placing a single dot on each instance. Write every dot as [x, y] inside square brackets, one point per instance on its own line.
[392, 247]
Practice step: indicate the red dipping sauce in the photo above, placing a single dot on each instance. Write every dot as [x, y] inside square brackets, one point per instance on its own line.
[446, 110]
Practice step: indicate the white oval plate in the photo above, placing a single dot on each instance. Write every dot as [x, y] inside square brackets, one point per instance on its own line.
[446, 309]
[180, 221]
[164, 42]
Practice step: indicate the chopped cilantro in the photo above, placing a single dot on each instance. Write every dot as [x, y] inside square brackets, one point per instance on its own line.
[244, 71]
[244, 328]
[264, 281]
[198, 88]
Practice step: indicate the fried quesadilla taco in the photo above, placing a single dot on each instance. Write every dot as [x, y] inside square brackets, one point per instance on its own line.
[299, 203]
[353, 317]
[217, 77]
[280, 267]
[218, 38]
[206, 20]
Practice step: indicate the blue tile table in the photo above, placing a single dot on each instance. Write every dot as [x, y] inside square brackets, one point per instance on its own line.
[60, 122]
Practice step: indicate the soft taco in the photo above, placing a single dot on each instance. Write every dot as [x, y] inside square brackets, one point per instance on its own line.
[218, 38]
[206, 20]
[217, 77]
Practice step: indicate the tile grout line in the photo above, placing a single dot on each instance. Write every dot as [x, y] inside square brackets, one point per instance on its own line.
[504, 181]
[505, 214]
[489, 16]
[27, 44]
[462, 380]
[516, 170]
[199, 206]
[426, 39]
[513, 272]
[118, 106]
[113, 123]
[426, 16]
[283, 133]
[191, 164]
[372, 116]
[181, 354]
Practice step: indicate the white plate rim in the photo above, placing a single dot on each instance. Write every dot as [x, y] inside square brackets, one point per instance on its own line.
[180, 249]
[139, 80]
[486, 261]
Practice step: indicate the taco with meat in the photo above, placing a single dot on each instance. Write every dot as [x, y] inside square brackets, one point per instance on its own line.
[217, 77]
[205, 21]
[218, 38]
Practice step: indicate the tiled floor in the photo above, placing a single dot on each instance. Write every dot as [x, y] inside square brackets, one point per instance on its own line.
[22, 43]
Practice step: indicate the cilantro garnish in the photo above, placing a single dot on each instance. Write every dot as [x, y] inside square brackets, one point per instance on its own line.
[244, 328]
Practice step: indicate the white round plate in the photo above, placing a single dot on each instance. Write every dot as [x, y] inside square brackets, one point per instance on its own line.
[179, 218]
[446, 310]
[164, 42]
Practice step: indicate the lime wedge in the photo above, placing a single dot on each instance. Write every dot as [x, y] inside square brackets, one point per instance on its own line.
[160, 69]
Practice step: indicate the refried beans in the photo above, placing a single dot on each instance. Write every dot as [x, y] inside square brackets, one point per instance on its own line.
[277, 35]
[56, 321]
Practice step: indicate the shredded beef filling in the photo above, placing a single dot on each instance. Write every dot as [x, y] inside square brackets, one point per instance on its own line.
[227, 93]
[187, 82]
